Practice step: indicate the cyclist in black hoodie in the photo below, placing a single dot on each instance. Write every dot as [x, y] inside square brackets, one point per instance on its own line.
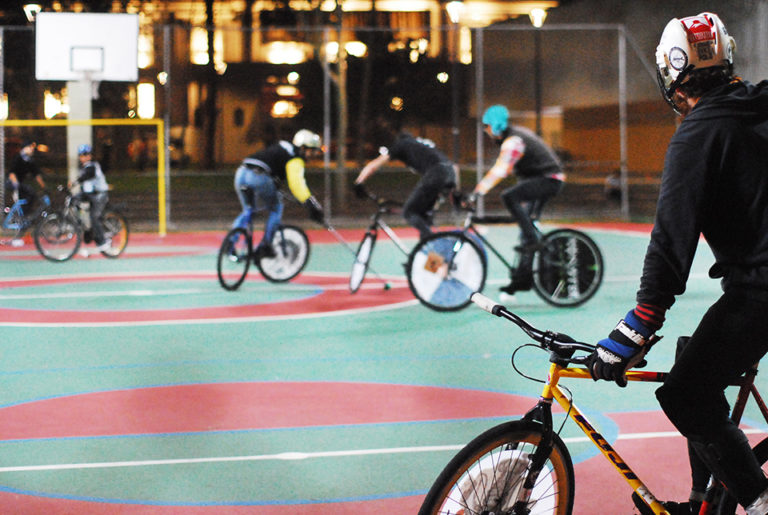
[715, 184]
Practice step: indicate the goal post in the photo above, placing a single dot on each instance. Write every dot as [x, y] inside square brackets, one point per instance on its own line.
[159, 125]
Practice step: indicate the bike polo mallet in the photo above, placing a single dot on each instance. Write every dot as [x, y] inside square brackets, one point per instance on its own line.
[347, 246]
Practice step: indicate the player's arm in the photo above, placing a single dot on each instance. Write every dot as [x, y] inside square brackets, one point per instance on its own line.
[371, 167]
[511, 151]
[297, 184]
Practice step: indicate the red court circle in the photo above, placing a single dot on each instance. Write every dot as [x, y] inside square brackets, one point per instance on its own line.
[331, 298]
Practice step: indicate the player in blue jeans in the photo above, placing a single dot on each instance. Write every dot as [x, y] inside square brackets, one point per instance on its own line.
[260, 175]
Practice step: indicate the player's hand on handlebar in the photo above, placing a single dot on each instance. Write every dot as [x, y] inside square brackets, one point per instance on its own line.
[624, 348]
[315, 210]
[360, 191]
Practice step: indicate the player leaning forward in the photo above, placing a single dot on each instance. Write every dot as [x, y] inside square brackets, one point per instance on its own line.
[715, 184]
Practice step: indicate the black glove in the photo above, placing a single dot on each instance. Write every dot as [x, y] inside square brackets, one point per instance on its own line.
[624, 348]
[315, 210]
[360, 191]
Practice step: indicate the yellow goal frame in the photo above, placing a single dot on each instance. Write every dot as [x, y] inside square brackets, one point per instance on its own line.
[157, 122]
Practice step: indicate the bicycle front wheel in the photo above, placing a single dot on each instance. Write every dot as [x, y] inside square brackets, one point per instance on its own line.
[487, 475]
[58, 236]
[362, 258]
[568, 269]
[292, 253]
[445, 269]
[116, 231]
[234, 258]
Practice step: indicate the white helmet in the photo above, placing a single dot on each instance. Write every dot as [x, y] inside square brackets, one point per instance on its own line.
[305, 138]
[689, 44]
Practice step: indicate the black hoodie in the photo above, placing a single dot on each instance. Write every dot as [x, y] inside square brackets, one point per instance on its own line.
[715, 183]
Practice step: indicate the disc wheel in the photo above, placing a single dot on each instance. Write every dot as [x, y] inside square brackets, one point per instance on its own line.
[234, 259]
[445, 269]
[568, 268]
[115, 230]
[58, 236]
[362, 258]
[292, 253]
[487, 476]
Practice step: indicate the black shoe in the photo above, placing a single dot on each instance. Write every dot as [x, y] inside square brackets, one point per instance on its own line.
[264, 251]
[518, 284]
[674, 508]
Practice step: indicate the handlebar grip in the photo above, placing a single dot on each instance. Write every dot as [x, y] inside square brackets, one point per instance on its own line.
[488, 304]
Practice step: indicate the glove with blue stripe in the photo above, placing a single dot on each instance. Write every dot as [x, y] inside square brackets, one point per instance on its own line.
[624, 348]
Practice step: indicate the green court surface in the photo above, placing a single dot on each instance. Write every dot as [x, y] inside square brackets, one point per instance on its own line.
[139, 385]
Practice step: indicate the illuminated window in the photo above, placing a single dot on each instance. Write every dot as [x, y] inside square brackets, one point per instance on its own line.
[198, 47]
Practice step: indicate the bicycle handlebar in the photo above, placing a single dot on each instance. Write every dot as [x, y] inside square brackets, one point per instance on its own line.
[560, 344]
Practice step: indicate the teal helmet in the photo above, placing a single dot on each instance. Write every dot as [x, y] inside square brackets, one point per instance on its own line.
[84, 149]
[497, 117]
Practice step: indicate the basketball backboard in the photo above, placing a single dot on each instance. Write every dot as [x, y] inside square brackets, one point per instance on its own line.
[86, 46]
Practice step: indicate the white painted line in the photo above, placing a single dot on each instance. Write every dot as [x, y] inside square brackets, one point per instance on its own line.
[296, 455]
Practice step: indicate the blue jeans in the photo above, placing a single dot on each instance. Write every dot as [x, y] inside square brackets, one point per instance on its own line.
[261, 195]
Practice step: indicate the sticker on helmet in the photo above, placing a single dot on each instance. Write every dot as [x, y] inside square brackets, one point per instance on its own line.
[698, 29]
[678, 59]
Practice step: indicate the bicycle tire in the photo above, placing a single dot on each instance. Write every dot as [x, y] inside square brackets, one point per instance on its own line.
[58, 236]
[728, 504]
[234, 258]
[362, 259]
[486, 476]
[292, 247]
[116, 230]
[568, 268]
[445, 269]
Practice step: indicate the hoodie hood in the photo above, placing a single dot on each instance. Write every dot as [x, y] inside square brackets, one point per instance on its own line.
[739, 98]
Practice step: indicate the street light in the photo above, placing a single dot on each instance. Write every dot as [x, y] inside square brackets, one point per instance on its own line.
[455, 9]
[537, 17]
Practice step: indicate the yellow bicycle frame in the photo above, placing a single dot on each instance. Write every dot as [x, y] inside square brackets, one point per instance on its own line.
[552, 390]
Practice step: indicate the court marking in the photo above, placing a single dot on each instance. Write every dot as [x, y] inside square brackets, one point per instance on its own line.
[324, 295]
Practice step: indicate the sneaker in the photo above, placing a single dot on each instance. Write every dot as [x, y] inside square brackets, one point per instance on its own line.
[84, 252]
[105, 246]
[760, 505]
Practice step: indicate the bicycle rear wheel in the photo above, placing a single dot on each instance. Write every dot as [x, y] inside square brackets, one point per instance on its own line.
[568, 269]
[234, 259]
[292, 248]
[115, 230]
[58, 236]
[487, 475]
[445, 269]
[362, 258]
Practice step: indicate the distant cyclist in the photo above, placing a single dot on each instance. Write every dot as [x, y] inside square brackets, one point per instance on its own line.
[24, 168]
[260, 175]
[539, 178]
[94, 190]
[438, 175]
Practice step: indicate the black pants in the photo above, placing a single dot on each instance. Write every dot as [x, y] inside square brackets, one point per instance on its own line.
[518, 198]
[729, 340]
[417, 210]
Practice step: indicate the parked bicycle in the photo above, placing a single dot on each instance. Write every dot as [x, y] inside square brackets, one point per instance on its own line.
[17, 221]
[236, 253]
[59, 235]
[567, 264]
[524, 467]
